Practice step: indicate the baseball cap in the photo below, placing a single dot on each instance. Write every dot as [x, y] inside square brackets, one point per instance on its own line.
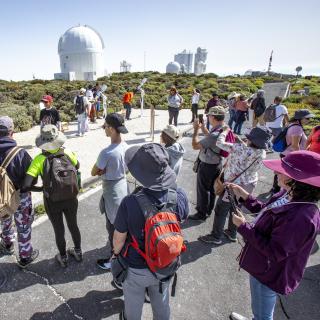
[6, 124]
[47, 98]
[216, 111]
[116, 120]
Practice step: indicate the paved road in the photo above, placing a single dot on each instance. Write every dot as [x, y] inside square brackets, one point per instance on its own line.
[209, 285]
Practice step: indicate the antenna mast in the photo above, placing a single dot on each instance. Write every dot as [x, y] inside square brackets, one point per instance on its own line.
[270, 63]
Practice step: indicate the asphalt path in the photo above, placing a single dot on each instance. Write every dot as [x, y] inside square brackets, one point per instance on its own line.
[210, 285]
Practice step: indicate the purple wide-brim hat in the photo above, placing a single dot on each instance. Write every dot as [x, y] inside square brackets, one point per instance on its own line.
[303, 166]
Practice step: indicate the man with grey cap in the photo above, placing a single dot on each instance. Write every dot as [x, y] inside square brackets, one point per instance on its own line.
[23, 217]
[81, 103]
[57, 167]
[149, 165]
[209, 161]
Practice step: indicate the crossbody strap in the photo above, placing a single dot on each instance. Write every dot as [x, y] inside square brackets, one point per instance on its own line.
[10, 156]
[234, 179]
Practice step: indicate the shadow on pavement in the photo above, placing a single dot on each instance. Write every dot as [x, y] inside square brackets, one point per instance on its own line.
[51, 270]
[135, 141]
[195, 250]
[304, 302]
[95, 305]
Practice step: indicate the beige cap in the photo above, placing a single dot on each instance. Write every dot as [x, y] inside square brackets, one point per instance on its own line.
[217, 111]
[82, 90]
[171, 131]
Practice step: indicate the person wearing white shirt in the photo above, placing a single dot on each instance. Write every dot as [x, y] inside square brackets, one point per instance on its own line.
[195, 104]
[81, 103]
[281, 116]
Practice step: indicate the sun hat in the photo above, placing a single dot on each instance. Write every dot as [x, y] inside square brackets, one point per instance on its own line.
[149, 164]
[233, 95]
[171, 131]
[116, 121]
[6, 124]
[303, 166]
[260, 137]
[82, 90]
[217, 111]
[302, 114]
[46, 98]
[50, 138]
[260, 93]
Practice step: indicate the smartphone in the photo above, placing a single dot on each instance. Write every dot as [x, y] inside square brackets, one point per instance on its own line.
[232, 199]
[201, 118]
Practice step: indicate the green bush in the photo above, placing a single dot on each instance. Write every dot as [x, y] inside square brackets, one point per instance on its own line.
[22, 121]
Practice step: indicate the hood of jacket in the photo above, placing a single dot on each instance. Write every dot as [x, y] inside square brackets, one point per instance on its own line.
[6, 143]
[176, 151]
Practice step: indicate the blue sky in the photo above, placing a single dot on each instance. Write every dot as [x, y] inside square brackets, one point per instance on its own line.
[238, 35]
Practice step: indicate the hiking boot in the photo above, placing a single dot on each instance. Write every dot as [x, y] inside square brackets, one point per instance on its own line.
[227, 233]
[237, 316]
[197, 217]
[209, 238]
[63, 260]
[7, 249]
[104, 264]
[24, 262]
[76, 253]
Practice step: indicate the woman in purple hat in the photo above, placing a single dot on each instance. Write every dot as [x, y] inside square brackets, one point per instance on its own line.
[279, 241]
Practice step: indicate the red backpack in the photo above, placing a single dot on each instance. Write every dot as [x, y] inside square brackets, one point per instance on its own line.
[163, 239]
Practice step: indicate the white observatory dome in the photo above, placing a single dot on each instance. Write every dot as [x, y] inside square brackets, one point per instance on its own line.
[81, 53]
[80, 39]
[173, 67]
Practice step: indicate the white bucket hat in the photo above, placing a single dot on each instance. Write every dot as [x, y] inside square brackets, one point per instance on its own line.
[171, 131]
[50, 138]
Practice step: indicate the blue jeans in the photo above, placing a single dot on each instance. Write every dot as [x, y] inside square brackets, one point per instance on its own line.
[263, 300]
[232, 115]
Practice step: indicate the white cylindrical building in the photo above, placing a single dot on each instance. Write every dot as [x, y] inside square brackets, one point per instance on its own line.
[173, 67]
[81, 54]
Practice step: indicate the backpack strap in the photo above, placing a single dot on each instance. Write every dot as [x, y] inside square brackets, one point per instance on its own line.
[10, 156]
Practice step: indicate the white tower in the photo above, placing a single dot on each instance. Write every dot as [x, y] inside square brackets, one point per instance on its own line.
[81, 54]
[185, 58]
[200, 61]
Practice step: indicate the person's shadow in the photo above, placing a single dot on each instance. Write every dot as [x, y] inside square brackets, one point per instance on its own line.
[95, 305]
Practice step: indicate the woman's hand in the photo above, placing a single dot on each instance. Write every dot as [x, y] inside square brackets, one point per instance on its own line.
[238, 219]
[196, 125]
[238, 191]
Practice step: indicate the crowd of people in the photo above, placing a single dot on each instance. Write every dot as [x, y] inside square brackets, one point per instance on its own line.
[143, 227]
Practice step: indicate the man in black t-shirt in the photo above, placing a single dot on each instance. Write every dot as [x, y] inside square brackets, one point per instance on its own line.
[49, 115]
[149, 164]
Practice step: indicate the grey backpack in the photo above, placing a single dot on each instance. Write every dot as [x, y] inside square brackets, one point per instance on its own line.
[270, 114]
[59, 177]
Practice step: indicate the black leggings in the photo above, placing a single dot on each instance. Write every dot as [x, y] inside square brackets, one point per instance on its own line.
[194, 110]
[173, 115]
[55, 211]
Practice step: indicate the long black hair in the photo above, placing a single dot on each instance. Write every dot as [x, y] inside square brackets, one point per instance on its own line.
[303, 192]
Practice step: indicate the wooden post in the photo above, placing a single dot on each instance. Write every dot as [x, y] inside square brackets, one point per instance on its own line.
[152, 120]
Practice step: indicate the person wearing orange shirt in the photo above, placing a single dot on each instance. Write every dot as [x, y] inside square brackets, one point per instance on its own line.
[127, 102]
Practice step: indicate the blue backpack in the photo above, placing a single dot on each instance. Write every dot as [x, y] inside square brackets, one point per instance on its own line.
[280, 141]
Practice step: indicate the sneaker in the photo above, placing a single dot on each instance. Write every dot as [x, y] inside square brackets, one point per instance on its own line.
[63, 260]
[227, 233]
[24, 262]
[117, 284]
[104, 264]
[197, 217]
[5, 248]
[237, 316]
[77, 254]
[209, 238]
[78, 134]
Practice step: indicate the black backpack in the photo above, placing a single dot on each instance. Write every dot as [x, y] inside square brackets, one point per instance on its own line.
[59, 177]
[80, 108]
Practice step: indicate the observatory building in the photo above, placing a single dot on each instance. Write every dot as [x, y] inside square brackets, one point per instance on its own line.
[185, 58]
[81, 54]
[200, 59]
[173, 67]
